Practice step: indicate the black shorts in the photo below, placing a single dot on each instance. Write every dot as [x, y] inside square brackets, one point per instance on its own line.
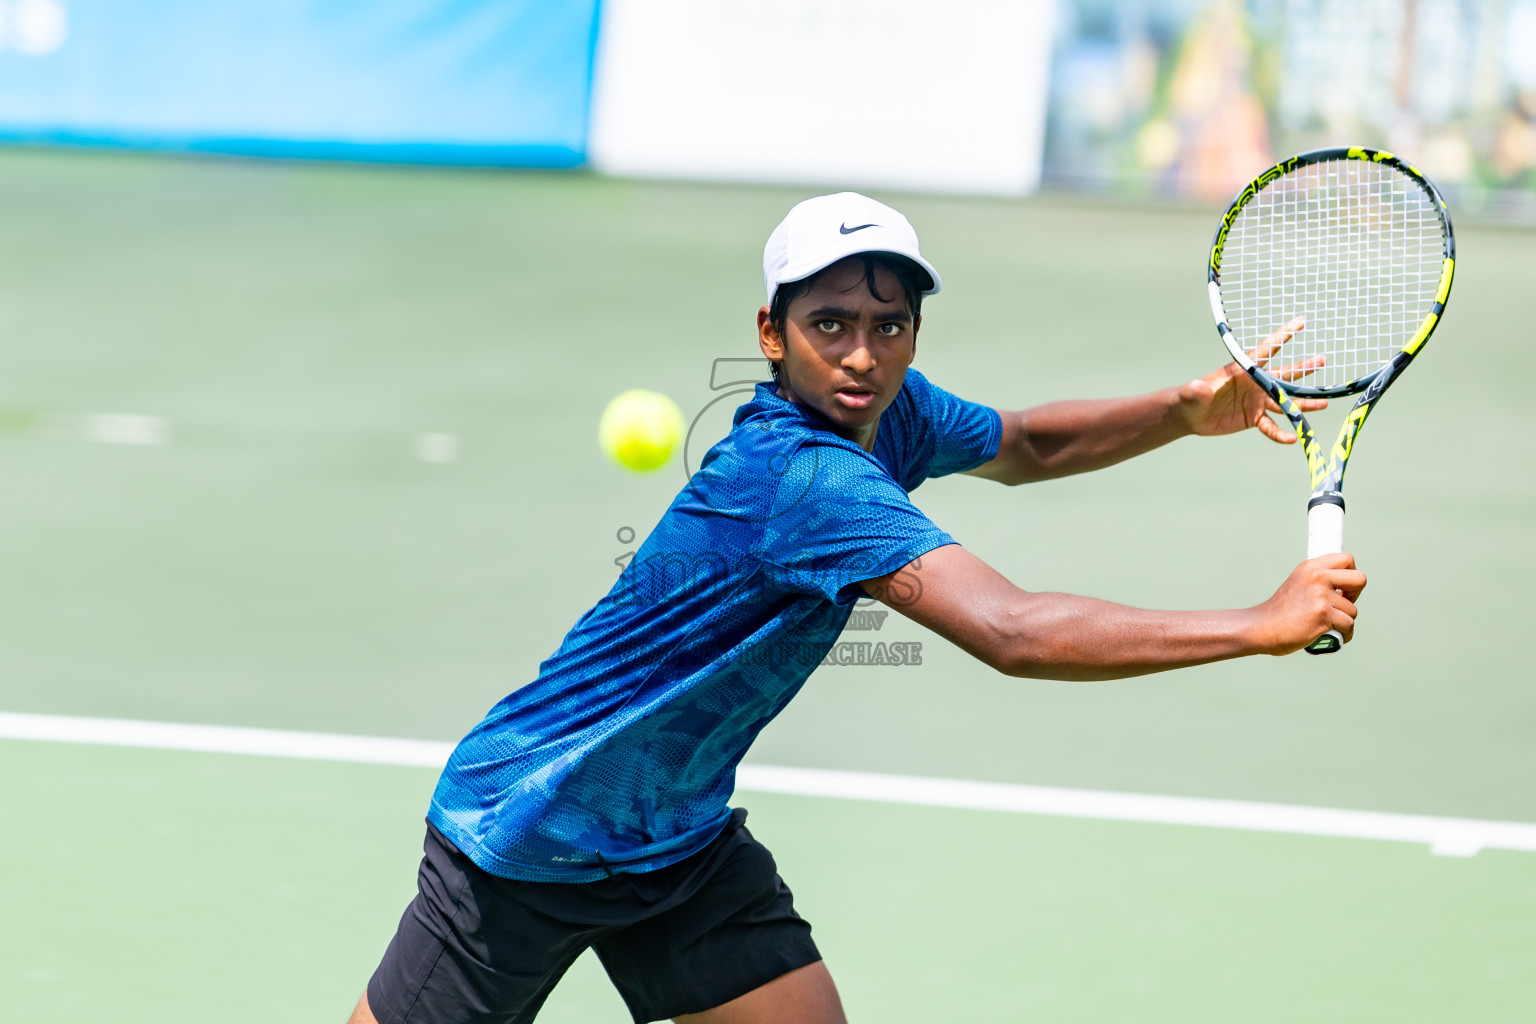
[473, 946]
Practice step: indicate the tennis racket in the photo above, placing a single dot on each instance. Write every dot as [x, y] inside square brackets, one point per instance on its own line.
[1358, 244]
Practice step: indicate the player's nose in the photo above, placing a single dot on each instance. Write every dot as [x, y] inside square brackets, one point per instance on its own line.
[859, 358]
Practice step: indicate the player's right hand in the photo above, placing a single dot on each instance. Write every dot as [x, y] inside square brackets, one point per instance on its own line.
[1319, 595]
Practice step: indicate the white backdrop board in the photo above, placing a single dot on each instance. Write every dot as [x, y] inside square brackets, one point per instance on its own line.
[910, 94]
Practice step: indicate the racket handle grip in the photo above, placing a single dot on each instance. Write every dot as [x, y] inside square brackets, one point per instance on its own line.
[1325, 536]
[1325, 529]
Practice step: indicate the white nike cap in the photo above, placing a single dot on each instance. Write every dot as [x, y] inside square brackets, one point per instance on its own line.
[819, 232]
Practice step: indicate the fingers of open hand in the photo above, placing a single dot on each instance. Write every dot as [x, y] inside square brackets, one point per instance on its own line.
[1270, 429]
[1296, 371]
[1266, 349]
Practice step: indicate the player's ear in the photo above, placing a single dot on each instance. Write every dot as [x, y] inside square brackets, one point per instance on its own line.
[768, 337]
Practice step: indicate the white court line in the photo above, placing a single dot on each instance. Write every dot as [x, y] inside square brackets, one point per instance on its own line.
[1452, 837]
[125, 428]
[224, 739]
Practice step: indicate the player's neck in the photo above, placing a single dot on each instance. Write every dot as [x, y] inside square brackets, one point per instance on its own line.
[863, 436]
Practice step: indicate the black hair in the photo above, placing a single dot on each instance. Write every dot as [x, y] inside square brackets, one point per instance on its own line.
[911, 278]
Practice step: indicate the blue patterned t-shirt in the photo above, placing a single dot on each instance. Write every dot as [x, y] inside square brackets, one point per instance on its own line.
[621, 756]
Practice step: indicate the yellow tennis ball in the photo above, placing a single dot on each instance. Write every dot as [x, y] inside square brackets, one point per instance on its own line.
[640, 429]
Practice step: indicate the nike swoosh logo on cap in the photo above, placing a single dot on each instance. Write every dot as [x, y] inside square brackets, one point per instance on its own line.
[844, 229]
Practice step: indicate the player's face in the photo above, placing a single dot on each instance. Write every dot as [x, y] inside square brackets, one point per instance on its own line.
[844, 352]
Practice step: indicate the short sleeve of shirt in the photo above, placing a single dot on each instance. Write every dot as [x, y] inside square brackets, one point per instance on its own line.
[940, 433]
[839, 519]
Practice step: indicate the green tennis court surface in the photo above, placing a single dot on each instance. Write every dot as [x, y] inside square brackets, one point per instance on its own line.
[159, 886]
[285, 557]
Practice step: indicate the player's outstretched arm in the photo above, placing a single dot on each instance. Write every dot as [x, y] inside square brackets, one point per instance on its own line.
[1064, 438]
[1063, 636]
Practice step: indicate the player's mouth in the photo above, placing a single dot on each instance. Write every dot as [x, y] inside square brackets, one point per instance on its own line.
[853, 396]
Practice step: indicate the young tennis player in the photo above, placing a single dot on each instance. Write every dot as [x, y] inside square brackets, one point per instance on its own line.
[589, 808]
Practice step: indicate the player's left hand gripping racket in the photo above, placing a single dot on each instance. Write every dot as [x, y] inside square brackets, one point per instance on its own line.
[1360, 245]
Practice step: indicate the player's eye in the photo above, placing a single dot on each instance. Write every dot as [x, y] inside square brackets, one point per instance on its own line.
[827, 326]
[890, 330]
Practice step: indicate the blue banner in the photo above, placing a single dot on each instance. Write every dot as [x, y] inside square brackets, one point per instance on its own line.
[503, 82]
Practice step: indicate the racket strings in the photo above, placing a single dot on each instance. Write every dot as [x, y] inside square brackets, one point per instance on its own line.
[1353, 246]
